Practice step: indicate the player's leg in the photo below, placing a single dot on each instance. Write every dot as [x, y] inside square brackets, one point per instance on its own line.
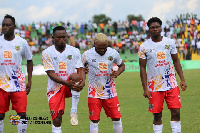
[57, 106]
[94, 105]
[73, 112]
[156, 107]
[174, 104]
[4, 107]
[19, 104]
[112, 110]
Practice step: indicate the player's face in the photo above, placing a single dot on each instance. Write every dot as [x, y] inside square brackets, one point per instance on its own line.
[155, 29]
[8, 27]
[60, 38]
[100, 47]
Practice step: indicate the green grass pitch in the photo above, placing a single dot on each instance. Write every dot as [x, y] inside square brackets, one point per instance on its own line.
[135, 117]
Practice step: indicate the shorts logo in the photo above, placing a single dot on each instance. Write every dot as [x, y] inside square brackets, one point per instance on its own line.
[110, 58]
[91, 113]
[52, 112]
[118, 106]
[161, 55]
[103, 66]
[14, 119]
[62, 66]
[17, 48]
[167, 46]
[7, 54]
[150, 106]
[69, 57]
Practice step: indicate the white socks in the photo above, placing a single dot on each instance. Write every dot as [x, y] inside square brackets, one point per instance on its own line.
[117, 126]
[22, 127]
[75, 100]
[1, 126]
[176, 126]
[157, 128]
[93, 127]
[56, 129]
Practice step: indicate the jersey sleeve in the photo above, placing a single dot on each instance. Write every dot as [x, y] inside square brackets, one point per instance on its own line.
[47, 62]
[84, 60]
[27, 54]
[173, 48]
[117, 59]
[79, 61]
[141, 52]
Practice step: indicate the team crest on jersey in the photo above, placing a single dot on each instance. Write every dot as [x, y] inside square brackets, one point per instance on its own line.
[150, 106]
[17, 48]
[167, 46]
[52, 112]
[69, 57]
[110, 58]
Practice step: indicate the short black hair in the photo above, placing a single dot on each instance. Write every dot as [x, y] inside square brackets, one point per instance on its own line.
[152, 20]
[10, 17]
[58, 28]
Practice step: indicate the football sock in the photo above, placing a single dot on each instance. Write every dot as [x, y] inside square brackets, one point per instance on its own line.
[75, 100]
[117, 126]
[176, 126]
[157, 128]
[1, 126]
[56, 129]
[93, 127]
[22, 127]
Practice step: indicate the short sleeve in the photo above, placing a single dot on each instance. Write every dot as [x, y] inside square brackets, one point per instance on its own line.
[117, 59]
[141, 53]
[47, 63]
[84, 60]
[173, 48]
[79, 63]
[27, 51]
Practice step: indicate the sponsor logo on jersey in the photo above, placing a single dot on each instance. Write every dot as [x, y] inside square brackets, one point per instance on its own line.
[110, 58]
[93, 60]
[69, 57]
[17, 48]
[161, 55]
[167, 46]
[103, 66]
[7, 54]
[62, 66]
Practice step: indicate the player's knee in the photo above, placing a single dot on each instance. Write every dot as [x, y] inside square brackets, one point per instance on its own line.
[2, 116]
[22, 115]
[157, 116]
[175, 113]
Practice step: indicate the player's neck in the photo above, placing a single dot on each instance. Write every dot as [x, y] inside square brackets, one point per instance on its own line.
[60, 49]
[156, 38]
[9, 37]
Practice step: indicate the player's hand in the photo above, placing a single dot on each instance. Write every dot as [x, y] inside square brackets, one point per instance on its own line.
[78, 86]
[147, 94]
[28, 87]
[183, 85]
[114, 74]
[70, 83]
[86, 70]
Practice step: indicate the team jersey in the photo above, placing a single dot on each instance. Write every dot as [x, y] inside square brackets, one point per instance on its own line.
[161, 75]
[63, 64]
[12, 79]
[101, 85]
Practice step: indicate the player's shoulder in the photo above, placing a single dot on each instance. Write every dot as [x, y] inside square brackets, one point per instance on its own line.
[146, 43]
[18, 38]
[49, 49]
[72, 49]
[89, 51]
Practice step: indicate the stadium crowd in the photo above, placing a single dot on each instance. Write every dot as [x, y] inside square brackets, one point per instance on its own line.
[123, 35]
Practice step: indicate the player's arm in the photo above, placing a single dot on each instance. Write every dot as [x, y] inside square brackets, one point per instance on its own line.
[178, 69]
[143, 76]
[121, 69]
[52, 75]
[81, 73]
[29, 70]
